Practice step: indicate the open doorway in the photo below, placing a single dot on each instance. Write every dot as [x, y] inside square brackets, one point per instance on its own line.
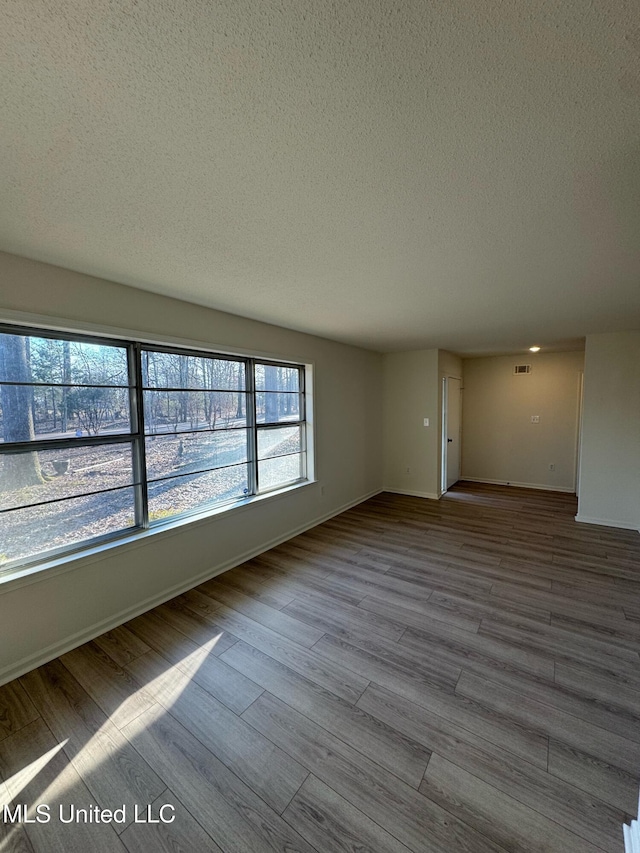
[451, 432]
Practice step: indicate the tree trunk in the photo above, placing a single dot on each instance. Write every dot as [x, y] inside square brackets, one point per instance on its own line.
[183, 399]
[32, 399]
[239, 410]
[20, 469]
[66, 379]
[54, 412]
[271, 401]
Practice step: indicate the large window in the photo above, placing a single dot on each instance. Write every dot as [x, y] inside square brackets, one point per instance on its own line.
[100, 437]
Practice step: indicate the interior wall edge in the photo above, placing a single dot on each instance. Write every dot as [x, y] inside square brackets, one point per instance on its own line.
[542, 486]
[608, 522]
[411, 493]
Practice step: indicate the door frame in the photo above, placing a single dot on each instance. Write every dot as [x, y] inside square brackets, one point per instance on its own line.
[444, 429]
[580, 408]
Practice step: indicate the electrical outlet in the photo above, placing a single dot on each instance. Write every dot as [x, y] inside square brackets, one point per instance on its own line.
[535, 419]
[552, 467]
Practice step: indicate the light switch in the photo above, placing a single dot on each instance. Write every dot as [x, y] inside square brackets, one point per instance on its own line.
[535, 419]
[426, 421]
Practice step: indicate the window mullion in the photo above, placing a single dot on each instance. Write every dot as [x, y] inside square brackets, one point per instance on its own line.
[252, 431]
[303, 422]
[137, 422]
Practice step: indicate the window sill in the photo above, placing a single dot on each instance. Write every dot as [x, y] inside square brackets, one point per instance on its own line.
[15, 578]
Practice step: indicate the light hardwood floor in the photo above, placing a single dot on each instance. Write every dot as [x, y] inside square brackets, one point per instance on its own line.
[455, 676]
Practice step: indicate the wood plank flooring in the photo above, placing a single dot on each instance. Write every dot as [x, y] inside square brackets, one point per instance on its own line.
[412, 675]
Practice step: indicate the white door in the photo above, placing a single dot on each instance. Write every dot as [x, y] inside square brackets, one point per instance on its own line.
[451, 439]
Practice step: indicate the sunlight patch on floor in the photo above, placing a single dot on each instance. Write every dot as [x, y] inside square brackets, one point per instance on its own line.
[19, 781]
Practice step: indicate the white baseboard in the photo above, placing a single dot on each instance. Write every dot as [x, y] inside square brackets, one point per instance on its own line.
[607, 522]
[411, 493]
[543, 486]
[631, 833]
[71, 642]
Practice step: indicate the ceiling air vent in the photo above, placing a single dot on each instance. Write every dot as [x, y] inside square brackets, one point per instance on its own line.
[521, 368]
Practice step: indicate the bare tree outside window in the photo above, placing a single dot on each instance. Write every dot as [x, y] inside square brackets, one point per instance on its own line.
[22, 469]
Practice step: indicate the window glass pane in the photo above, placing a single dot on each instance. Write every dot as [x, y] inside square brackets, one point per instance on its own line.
[93, 364]
[27, 532]
[275, 408]
[277, 472]
[278, 442]
[28, 358]
[29, 413]
[169, 455]
[53, 408]
[195, 491]
[186, 411]
[274, 377]
[171, 370]
[29, 478]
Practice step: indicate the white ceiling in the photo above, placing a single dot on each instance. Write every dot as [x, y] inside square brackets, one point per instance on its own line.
[390, 173]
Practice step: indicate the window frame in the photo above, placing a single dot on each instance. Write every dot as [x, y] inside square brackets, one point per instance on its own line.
[137, 435]
[300, 422]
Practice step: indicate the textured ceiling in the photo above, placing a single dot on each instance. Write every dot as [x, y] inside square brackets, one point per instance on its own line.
[395, 174]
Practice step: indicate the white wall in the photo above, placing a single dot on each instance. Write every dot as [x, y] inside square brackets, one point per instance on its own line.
[410, 394]
[449, 364]
[499, 442]
[46, 613]
[609, 491]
